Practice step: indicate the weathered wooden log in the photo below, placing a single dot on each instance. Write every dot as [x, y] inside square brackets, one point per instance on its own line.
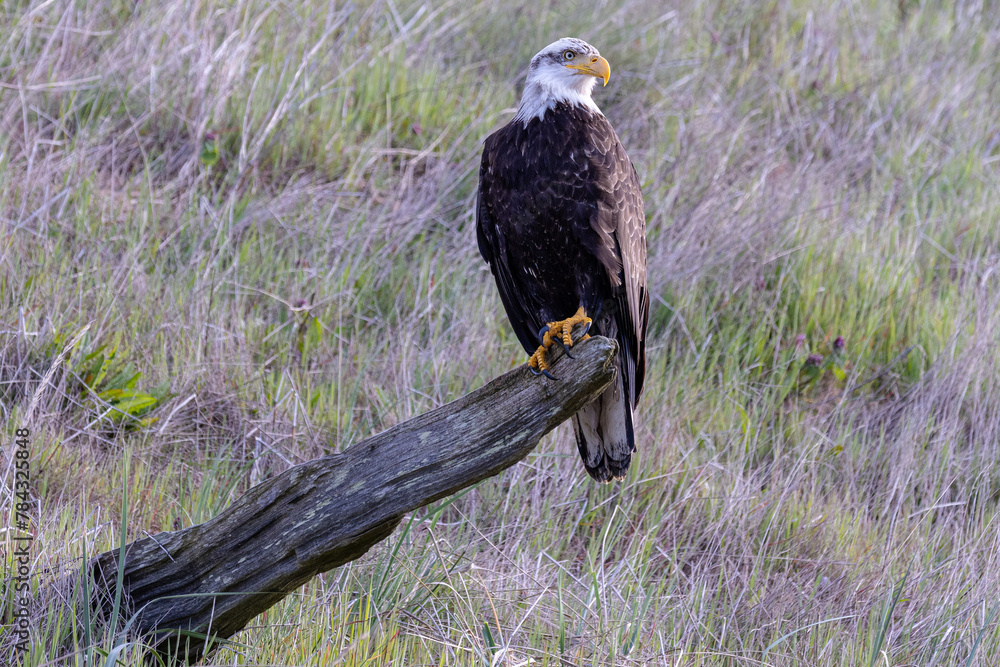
[331, 510]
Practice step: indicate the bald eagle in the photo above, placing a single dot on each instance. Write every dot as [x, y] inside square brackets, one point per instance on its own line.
[560, 222]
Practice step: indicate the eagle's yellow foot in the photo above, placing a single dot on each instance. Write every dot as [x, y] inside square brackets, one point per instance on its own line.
[538, 365]
[557, 332]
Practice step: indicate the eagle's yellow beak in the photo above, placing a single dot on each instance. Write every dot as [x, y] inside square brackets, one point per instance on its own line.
[597, 66]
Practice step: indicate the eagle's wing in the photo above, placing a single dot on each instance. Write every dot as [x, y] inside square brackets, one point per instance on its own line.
[621, 219]
[492, 246]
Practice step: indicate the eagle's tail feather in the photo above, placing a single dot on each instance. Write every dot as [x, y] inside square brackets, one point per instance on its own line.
[605, 435]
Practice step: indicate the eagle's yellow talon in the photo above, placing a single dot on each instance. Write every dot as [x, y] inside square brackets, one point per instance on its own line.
[567, 325]
[557, 331]
[547, 339]
[537, 360]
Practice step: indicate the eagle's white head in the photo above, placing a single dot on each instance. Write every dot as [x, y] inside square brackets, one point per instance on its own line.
[564, 71]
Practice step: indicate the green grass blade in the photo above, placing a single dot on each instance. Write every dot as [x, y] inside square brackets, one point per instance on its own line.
[982, 632]
[886, 619]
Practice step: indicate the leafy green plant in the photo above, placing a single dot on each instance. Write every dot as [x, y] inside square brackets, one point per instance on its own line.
[111, 383]
[827, 363]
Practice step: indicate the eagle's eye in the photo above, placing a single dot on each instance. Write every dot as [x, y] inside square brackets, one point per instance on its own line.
[569, 55]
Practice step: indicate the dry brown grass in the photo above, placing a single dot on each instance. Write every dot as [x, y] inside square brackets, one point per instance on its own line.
[810, 171]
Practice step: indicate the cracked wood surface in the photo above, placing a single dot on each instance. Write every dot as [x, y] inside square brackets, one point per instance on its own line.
[328, 511]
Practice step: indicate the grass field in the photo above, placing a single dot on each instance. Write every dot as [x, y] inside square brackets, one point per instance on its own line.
[259, 216]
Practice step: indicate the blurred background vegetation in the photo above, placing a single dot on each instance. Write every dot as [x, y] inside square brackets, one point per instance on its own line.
[260, 217]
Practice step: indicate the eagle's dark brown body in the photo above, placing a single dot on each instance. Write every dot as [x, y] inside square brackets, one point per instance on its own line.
[561, 224]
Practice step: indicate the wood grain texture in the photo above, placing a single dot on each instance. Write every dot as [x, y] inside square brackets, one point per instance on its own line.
[329, 511]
